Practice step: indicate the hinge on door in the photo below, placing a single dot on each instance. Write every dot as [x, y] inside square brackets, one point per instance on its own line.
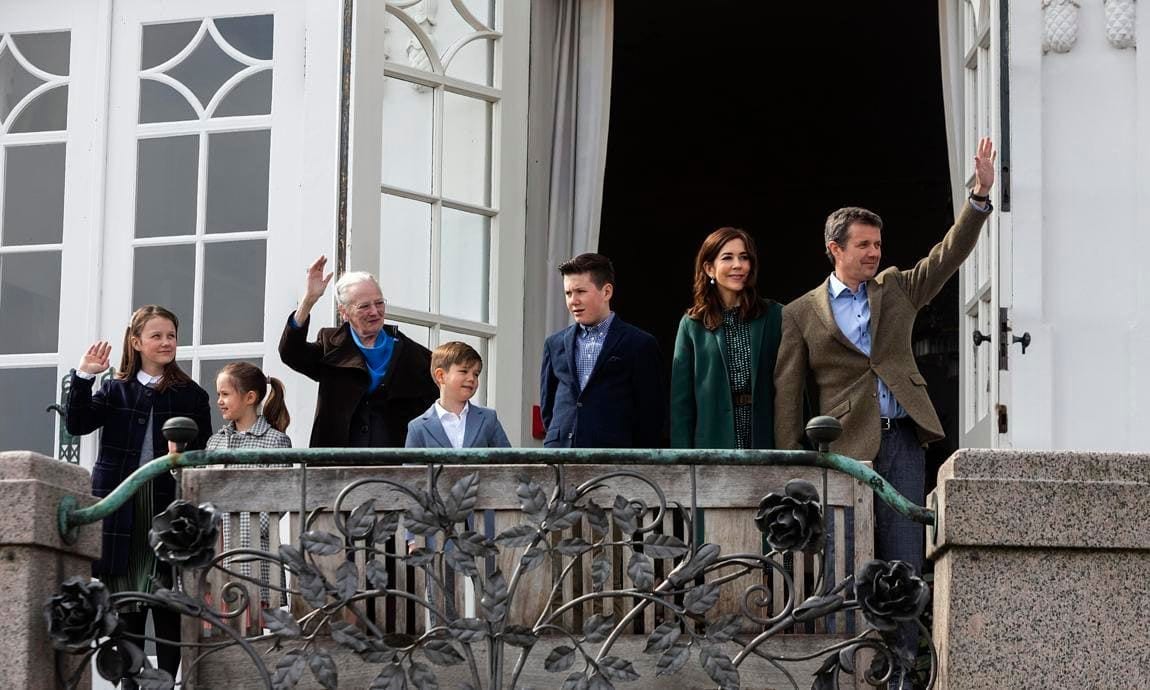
[1003, 339]
[1002, 422]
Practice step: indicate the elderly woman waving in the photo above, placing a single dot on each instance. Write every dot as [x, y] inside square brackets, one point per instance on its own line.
[372, 379]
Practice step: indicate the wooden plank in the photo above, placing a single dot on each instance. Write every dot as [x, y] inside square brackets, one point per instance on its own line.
[734, 530]
[840, 564]
[277, 489]
[800, 574]
[231, 668]
[534, 587]
[863, 552]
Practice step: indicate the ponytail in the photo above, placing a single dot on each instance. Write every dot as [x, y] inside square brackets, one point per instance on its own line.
[275, 409]
[248, 377]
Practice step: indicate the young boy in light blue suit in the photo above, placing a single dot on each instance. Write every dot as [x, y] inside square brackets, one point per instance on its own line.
[452, 421]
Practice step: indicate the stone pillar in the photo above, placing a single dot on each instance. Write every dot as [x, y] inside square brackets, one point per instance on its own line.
[34, 560]
[1041, 563]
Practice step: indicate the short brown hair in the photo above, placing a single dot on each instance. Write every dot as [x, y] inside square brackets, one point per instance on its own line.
[451, 353]
[597, 265]
[839, 224]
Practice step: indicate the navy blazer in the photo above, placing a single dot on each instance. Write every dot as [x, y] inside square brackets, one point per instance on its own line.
[121, 407]
[623, 405]
[482, 430]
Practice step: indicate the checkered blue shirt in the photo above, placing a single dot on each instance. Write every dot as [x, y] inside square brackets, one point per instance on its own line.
[588, 345]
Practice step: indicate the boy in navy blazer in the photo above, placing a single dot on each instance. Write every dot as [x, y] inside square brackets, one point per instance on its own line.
[601, 386]
[452, 421]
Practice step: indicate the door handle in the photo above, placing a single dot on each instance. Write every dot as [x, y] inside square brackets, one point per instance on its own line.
[1024, 339]
[979, 338]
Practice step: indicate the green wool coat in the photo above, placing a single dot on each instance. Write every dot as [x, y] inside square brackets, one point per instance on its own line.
[702, 412]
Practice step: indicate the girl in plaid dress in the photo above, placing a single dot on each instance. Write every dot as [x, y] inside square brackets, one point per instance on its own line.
[240, 389]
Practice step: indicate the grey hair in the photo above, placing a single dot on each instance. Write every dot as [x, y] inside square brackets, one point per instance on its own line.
[839, 224]
[351, 279]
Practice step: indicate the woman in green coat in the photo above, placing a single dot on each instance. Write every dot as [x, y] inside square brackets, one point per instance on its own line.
[722, 377]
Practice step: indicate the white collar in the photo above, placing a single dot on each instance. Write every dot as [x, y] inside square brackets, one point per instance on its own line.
[146, 379]
[441, 411]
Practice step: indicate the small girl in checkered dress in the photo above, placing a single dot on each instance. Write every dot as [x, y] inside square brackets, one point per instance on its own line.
[240, 388]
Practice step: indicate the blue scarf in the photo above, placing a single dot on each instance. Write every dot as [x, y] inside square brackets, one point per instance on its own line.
[377, 356]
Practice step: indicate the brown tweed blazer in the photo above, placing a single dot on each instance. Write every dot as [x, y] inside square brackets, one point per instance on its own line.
[839, 379]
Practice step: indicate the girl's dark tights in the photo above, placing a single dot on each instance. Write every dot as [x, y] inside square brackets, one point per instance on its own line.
[167, 627]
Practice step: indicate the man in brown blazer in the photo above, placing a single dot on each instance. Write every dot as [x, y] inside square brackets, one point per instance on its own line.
[847, 344]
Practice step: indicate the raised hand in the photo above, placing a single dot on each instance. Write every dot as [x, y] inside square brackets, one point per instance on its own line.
[95, 359]
[316, 285]
[316, 280]
[984, 159]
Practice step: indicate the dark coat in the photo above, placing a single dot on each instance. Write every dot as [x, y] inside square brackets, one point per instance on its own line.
[336, 363]
[702, 411]
[121, 409]
[623, 405]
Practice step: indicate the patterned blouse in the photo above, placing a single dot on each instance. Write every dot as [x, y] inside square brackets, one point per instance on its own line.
[737, 339]
[260, 435]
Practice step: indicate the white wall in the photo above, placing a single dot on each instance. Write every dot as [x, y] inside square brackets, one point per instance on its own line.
[1078, 163]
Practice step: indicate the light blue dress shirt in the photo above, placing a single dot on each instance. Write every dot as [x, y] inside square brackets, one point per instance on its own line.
[852, 314]
[588, 345]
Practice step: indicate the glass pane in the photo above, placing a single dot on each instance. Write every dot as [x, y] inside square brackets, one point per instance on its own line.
[47, 113]
[466, 149]
[405, 242]
[483, 10]
[29, 302]
[473, 62]
[24, 425]
[34, 195]
[166, 276]
[234, 292]
[450, 27]
[205, 69]
[480, 345]
[161, 103]
[162, 42]
[15, 82]
[209, 369]
[252, 36]
[401, 46]
[407, 125]
[49, 51]
[238, 181]
[420, 334]
[464, 254]
[252, 96]
[166, 186]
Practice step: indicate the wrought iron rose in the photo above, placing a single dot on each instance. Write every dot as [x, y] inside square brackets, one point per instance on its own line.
[793, 520]
[81, 613]
[889, 592]
[185, 535]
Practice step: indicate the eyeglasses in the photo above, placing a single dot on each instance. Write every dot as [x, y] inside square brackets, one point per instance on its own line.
[362, 307]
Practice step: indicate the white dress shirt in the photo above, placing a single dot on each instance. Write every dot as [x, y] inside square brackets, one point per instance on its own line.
[454, 425]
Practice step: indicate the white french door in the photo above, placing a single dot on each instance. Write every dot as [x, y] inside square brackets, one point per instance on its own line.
[159, 151]
[49, 167]
[971, 38]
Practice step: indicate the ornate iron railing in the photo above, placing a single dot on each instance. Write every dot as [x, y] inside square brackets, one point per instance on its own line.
[83, 618]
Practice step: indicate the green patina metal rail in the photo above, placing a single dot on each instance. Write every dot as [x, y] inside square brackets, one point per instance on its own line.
[71, 517]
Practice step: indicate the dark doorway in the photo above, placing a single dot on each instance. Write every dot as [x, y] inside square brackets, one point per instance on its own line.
[768, 116]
